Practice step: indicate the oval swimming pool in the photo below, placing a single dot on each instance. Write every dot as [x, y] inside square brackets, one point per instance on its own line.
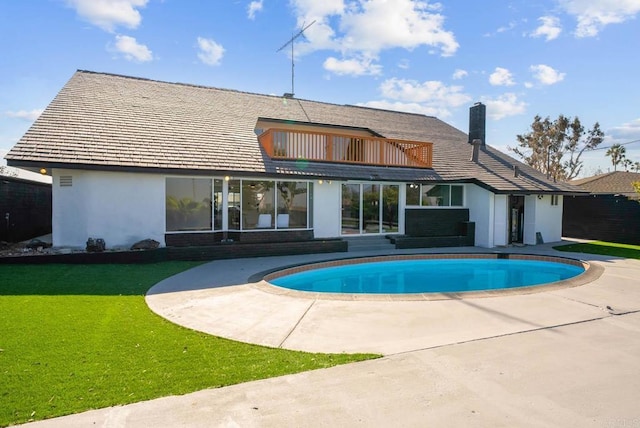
[431, 275]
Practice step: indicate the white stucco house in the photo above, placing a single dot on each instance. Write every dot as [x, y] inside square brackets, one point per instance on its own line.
[133, 158]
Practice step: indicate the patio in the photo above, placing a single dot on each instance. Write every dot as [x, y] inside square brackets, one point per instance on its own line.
[564, 358]
[218, 298]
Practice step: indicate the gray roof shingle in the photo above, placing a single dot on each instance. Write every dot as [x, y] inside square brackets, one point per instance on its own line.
[610, 183]
[110, 121]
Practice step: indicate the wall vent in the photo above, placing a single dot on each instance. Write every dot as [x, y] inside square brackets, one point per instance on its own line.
[66, 181]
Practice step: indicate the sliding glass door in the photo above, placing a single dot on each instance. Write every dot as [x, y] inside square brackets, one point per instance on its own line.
[369, 208]
[390, 199]
[350, 209]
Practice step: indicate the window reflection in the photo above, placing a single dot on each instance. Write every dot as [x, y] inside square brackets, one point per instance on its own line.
[233, 204]
[292, 205]
[258, 204]
[188, 204]
[194, 204]
[434, 195]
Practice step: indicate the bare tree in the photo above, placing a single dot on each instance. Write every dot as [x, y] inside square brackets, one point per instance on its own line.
[545, 147]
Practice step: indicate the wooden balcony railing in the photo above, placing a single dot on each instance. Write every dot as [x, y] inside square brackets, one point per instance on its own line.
[357, 149]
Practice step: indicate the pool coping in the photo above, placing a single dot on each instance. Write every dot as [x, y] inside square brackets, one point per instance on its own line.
[261, 282]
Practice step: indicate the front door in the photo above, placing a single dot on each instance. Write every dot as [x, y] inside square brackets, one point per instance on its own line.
[516, 219]
[369, 208]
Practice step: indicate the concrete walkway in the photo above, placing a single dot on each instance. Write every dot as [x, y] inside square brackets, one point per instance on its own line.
[568, 357]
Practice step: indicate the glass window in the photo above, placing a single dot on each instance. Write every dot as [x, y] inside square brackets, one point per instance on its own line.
[413, 194]
[390, 200]
[217, 204]
[233, 204]
[188, 204]
[457, 196]
[435, 195]
[258, 204]
[371, 208]
[292, 205]
[350, 209]
[310, 208]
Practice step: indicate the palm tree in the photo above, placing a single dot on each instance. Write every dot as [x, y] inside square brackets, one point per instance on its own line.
[617, 153]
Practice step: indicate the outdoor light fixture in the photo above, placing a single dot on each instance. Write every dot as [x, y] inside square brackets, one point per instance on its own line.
[227, 178]
[319, 181]
[43, 171]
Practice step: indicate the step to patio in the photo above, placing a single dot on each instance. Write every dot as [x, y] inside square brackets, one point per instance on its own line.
[369, 243]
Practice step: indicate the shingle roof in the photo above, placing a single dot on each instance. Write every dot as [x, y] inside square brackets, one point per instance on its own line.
[611, 183]
[109, 121]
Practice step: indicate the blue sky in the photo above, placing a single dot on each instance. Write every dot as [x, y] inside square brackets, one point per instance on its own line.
[521, 58]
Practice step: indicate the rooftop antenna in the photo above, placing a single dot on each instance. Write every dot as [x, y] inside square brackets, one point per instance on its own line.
[290, 42]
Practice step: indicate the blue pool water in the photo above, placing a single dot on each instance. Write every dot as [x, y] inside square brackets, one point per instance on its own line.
[428, 276]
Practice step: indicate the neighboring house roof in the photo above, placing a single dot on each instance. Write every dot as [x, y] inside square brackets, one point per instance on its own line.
[116, 122]
[40, 183]
[611, 183]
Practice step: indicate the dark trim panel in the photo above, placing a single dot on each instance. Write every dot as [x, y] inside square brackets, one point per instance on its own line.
[254, 237]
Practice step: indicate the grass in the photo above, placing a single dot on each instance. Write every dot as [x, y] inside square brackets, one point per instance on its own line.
[80, 337]
[606, 248]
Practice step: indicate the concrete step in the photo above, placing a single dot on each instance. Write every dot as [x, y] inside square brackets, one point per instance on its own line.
[369, 243]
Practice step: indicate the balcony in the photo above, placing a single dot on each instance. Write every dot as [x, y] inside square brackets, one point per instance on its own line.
[288, 144]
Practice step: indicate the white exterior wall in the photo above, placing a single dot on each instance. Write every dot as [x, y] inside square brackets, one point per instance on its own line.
[529, 237]
[326, 209]
[121, 208]
[481, 204]
[501, 223]
[541, 216]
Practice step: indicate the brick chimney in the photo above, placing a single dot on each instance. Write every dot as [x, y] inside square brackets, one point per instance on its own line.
[477, 123]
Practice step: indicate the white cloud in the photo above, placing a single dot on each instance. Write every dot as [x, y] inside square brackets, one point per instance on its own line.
[546, 75]
[504, 106]
[506, 28]
[132, 50]
[501, 77]
[629, 131]
[29, 115]
[313, 9]
[378, 25]
[352, 67]
[210, 52]
[404, 64]
[430, 97]
[109, 14]
[253, 8]
[503, 29]
[428, 91]
[549, 28]
[459, 74]
[594, 15]
[364, 28]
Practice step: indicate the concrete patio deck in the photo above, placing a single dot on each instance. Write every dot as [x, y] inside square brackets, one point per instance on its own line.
[216, 299]
[568, 357]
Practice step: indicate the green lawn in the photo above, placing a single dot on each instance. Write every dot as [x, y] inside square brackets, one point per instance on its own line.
[605, 248]
[79, 337]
